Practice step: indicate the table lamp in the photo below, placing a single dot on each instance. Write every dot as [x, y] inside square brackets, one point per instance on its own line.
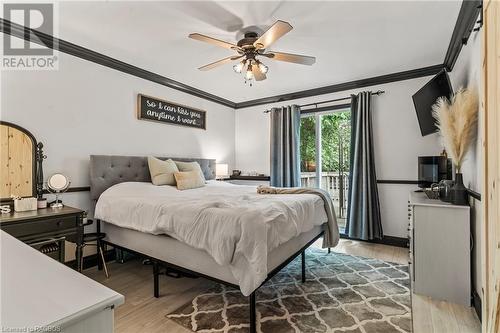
[221, 170]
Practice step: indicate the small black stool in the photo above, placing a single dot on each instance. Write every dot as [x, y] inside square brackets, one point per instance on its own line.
[96, 237]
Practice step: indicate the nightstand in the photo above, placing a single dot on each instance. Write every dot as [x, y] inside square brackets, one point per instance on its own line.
[47, 229]
[249, 180]
[224, 179]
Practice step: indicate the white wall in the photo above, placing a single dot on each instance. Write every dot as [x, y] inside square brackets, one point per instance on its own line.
[397, 138]
[467, 73]
[84, 109]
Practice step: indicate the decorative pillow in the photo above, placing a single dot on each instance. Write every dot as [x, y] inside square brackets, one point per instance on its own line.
[190, 166]
[162, 172]
[188, 179]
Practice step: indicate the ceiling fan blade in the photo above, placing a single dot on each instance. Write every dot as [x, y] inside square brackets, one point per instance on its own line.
[275, 32]
[214, 41]
[290, 57]
[257, 73]
[219, 62]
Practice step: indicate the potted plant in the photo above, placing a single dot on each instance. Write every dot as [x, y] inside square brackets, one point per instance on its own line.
[457, 123]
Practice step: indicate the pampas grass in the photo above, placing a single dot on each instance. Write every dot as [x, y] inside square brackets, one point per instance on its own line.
[457, 123]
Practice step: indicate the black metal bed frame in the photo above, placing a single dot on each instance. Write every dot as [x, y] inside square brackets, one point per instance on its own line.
[252, 302]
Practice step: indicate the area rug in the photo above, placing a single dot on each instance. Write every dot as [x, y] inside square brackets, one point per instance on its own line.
[343, 293]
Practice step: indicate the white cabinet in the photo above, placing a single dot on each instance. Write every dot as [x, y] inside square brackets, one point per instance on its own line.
[40, 294]
[440, 249]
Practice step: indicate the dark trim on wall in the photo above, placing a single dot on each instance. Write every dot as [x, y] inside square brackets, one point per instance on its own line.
[79, 189]
[474, 194]
[261, 178]
[386, 240]
[372, 81]
[72, 189]
[91, 260]
[17, 30]
[466, 21]
[393, 181]
[477, 304]
[393, 241]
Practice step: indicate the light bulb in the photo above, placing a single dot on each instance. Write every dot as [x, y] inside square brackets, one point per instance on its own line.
[239, 66]
[263, 68]
[249, 74]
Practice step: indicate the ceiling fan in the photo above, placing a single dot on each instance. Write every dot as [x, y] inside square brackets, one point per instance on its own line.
[253, 46]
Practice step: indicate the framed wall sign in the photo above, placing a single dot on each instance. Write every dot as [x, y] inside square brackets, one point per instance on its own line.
[154, 109]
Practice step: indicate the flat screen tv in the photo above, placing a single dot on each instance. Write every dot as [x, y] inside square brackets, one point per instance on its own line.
[427, 96]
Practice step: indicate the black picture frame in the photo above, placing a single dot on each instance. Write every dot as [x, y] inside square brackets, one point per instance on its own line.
[171, 113]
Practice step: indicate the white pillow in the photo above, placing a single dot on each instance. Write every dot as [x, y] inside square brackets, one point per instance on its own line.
[162, 172]
[190, 166]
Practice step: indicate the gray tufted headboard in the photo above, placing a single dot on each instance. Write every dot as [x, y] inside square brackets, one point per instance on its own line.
[106, 170]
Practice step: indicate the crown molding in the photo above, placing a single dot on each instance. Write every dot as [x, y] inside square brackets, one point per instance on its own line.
[464, 27]
[371, 81]
[61, 45]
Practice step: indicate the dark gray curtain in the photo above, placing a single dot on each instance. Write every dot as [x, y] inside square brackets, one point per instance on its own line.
[363, 211]
[285, 139]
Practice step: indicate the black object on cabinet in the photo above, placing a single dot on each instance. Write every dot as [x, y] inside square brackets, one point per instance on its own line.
[433, 169]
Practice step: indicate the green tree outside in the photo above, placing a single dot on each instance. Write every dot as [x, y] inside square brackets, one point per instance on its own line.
[335, 142]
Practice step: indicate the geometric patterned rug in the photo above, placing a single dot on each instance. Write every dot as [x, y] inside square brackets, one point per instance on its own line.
[342, 293]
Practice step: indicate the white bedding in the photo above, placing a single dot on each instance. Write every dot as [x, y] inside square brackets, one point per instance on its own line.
[234, 224]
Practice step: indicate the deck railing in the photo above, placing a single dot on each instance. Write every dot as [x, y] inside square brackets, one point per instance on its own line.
[335, 183]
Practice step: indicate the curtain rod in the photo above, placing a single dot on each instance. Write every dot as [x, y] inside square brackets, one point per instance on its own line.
[378, 92]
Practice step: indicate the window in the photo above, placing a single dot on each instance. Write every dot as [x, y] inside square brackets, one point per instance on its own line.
[330, 134]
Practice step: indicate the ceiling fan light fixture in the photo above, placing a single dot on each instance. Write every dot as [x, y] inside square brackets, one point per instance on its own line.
[249, 73]
[239, 66]
[263, 68]
[254, 44]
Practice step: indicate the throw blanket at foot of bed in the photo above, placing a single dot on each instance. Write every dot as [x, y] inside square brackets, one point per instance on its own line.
[331, 237]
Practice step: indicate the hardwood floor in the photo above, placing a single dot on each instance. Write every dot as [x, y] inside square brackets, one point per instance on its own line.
[429, 316]
[144, 313]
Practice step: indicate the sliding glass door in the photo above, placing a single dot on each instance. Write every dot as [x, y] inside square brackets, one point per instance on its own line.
[325, 150]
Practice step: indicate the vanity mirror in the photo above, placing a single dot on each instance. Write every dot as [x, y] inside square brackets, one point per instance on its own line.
[57, 184]
[21, 163]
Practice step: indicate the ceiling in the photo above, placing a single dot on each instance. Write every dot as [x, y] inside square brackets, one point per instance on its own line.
[350, 40]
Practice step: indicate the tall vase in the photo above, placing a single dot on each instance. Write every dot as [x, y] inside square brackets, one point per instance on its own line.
[459, 193]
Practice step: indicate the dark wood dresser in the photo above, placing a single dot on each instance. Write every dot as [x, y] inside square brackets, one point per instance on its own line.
[47, 229]
[249, 180]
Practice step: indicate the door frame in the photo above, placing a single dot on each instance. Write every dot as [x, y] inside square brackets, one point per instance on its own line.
[490, 133]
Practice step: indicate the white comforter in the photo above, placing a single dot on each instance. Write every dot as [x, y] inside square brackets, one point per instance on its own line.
[234, 224]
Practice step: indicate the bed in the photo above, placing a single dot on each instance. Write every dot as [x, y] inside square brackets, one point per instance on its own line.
[143, 218]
